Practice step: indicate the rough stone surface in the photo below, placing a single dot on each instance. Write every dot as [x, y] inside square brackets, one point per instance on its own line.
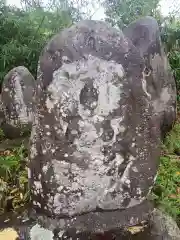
[95, 141]
[164, 226]
[160, 227]
[17, 102]
[144, 34]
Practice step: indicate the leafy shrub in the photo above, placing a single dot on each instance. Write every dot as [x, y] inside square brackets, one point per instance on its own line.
[174, 60]
[23, 35]
[166, 192]
[170, 34]
[19, 42]
[171, 144]
[14, 191]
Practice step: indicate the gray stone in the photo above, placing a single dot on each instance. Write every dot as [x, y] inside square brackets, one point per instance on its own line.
[95, 141]
[163, 226]
[144, 34]
[17, 102]
[160, 227]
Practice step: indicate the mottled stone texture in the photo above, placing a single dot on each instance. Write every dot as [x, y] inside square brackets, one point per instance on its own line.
[160, 83]
[163, 226]
[17, 102]
[160, 227]
[95, 141]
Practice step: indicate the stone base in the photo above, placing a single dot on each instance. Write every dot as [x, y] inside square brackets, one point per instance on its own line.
[98, 222]
[93, 226]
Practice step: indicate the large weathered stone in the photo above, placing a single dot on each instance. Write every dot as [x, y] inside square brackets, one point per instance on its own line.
[159, 82]
[17, 102]
[95, 142]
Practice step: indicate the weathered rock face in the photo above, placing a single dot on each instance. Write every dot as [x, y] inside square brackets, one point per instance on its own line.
[163, 226]
[159, 81]
[160, 227]
[95, 141]
[17, 102]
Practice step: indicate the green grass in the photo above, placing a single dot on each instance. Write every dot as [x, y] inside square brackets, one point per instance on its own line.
[172, 142]
[166, 192]
[14, 192]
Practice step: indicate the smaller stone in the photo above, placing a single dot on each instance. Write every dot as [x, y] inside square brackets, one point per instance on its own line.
[17, 102]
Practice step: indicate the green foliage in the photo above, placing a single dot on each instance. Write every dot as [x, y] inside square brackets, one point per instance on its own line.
[171, 33]
[123, 12]
[48, 23]
[23, 35]
[174, 60]
[166, 192]
[19, 42]
[172, 141]
[171, 37]
[14, 191]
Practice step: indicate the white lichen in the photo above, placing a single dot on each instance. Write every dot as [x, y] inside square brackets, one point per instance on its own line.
[39, 233]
